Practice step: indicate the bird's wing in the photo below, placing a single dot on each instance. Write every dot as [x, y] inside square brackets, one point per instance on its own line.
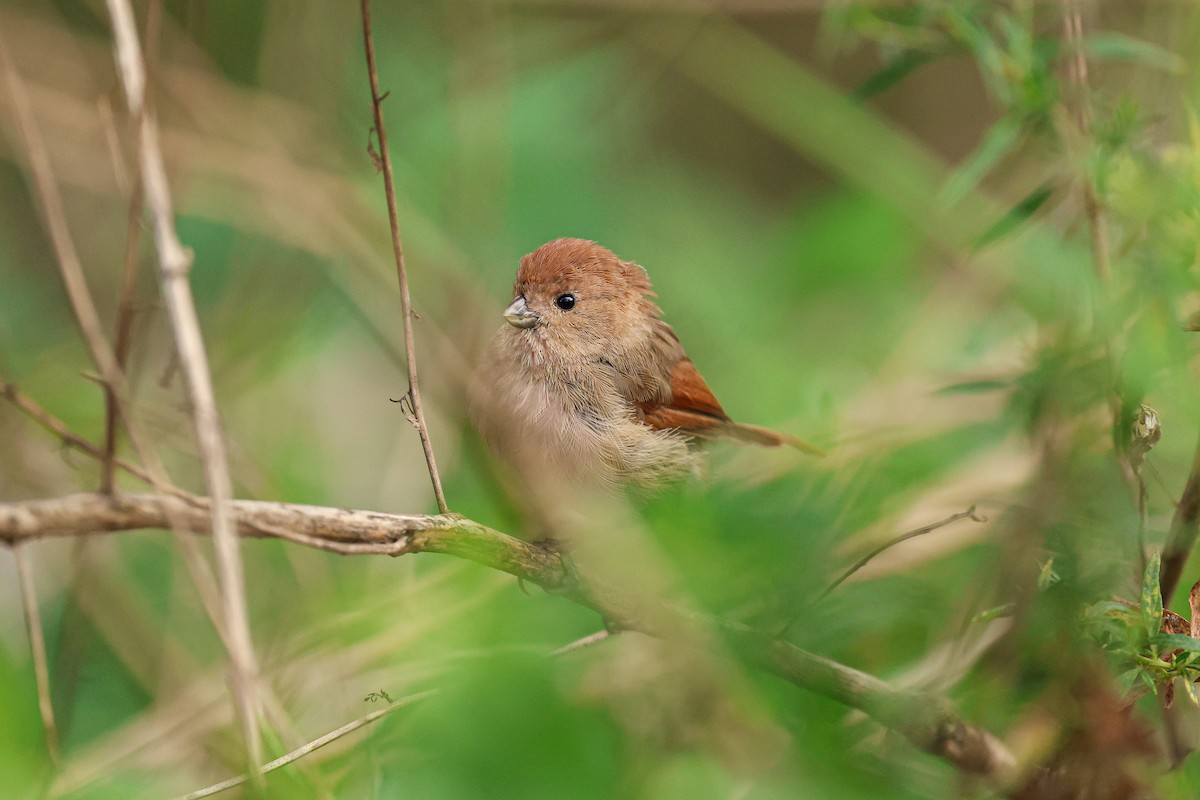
[692, 407]
[694, 410]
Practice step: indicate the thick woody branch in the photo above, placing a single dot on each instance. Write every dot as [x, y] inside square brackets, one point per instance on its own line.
[338, 530]
[928, 722]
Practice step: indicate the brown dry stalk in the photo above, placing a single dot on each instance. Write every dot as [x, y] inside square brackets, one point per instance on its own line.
[410, 351]
[125, 310]
[37, 643]
[1184, 526]
[174, 262]
[69, 263]
[34, 410]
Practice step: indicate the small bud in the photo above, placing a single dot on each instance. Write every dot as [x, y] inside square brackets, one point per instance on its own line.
[1145, 433]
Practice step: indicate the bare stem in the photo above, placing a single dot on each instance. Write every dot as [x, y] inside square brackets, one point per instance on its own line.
[410, 350]
[32, 409]
[1077, 70]
[37, 644]
[174, 262]
[69, 263]
[133, 229]
[904, 537]
[1184, 526]
[305, 749]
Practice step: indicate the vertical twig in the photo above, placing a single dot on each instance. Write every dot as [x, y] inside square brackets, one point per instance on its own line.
[1184, 526]
[133, 227]
[1077, 70]
[37, 643]
[174, 262]
[410, 351]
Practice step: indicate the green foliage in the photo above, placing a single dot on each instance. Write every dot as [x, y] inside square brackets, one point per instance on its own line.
[895, 252]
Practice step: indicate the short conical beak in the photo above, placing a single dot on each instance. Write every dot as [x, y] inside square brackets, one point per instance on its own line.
[519, 315]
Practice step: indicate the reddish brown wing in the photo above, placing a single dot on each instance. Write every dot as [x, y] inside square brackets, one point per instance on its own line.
[692, 408]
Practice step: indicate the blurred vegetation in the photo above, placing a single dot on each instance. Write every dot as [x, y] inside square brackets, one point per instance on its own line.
[910, 232]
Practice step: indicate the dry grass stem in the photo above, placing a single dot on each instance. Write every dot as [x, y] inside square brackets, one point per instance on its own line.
[69, 263]
[413, 396]
[904, 537]
[174, 262]
[1184, 525]
[309, 747]
[37, 644]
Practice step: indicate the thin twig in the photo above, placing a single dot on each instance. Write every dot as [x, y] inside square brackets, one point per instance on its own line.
[37, 644]
[174, 262]
[69, 264]
[904, 537]
[305, 749]
[133, 230]
[410, 350]
[32, 409]
[1078, 73]
[124, 328]
[579, 644]
[1184, 526]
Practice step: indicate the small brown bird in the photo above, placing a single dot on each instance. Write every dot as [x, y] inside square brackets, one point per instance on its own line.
[587, 382]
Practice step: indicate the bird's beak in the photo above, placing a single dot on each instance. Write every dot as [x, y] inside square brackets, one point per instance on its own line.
[519, 315]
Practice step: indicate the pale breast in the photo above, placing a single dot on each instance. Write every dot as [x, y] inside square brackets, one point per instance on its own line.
[571, 423]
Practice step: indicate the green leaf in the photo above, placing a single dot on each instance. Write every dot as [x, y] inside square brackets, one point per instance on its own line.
[1176, 641]
[1108, 608]
[1047, 577]
[1128, 678]
[1118, 47]
[998, 612]
[1017, 215]
[1151, 599]
[999, 141]
[976, 387]
[897, 70]
[1190, 688]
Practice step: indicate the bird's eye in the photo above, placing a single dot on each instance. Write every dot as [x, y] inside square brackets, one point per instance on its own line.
[565, 301]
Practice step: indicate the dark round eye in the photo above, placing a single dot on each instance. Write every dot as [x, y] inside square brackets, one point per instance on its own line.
[565, 301]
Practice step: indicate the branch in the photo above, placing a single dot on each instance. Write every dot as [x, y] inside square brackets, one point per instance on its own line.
[927, 722]
[1184, 526]
[410, 351]
[174, 262]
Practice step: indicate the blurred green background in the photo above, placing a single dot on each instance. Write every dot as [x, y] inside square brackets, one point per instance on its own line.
[865, 223]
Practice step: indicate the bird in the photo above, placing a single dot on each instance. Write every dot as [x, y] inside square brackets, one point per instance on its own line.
[585, 382]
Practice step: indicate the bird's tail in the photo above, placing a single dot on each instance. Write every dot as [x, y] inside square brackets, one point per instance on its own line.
[755, 434]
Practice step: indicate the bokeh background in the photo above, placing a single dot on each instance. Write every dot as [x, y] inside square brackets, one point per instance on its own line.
[865, 221]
